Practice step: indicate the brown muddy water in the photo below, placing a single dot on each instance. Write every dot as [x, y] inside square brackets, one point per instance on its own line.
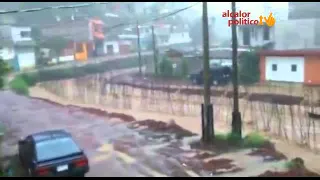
[118, 145]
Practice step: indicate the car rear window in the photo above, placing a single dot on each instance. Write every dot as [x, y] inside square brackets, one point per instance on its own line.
[55, 148]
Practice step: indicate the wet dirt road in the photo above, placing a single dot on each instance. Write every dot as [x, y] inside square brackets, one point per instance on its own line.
[116, 147]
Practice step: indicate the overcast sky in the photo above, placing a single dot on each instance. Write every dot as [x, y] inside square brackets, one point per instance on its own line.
[280, 9]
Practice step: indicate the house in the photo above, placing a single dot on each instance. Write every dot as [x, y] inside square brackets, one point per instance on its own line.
[300, 66]
[17, 47]
[166, 34]
[116, 46]
[179, 35]
[86, 35]
[255, 36]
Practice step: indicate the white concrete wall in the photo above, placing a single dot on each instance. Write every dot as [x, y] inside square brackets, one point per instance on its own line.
[26, 59]
[284, 72]
[63, 59]
[16, 34]
[115, 45]
[7, 53]
[176, 38]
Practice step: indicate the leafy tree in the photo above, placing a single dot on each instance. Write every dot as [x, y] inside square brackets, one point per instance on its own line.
[184, 68]
[165, 67]
[249, 71]
[4, 70]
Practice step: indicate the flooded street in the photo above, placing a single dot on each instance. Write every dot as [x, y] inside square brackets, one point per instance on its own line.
[117, 145]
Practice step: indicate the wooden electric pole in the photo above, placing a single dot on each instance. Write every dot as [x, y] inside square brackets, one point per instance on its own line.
[236, 116]
[155, 52]
[207, 111]
[139, 48]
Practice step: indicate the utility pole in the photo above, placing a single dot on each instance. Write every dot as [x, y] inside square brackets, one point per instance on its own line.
[207, 111]
[155, 53]
[236, 116]
[139, 48]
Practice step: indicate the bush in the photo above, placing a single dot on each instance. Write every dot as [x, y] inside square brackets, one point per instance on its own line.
[19, 86]
[230, 138]
[254, 140]
[30, 78]
[4, 70]
[165, 67]
[295, 163]
[249, 70]
[184, 68]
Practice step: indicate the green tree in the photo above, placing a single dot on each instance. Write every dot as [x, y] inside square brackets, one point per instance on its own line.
[249, 71]
[165, 67]
[4, 70]
[184, 68]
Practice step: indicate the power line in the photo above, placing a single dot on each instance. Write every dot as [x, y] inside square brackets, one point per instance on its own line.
[156, 18]
[52, 7]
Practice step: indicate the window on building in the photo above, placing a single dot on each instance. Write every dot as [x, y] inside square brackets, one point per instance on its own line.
[266, 33]
[293, 68]
[246, 36]
[25, 34]
[274, 67]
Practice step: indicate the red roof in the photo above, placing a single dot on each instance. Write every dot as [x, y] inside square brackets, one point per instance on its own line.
[297, 52]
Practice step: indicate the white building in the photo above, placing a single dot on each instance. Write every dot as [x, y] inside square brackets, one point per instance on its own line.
[253, 35]
[17, 47]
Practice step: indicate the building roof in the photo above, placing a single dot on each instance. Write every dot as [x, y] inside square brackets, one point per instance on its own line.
[296, 52]
[224, 53]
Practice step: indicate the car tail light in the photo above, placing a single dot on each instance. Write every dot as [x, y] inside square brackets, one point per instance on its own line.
[81, 162]
[42, 171]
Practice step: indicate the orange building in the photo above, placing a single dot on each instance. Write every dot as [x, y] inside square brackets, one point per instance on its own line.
[299, 66]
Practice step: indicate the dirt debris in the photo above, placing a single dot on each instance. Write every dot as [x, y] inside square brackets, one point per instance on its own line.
[268, 152]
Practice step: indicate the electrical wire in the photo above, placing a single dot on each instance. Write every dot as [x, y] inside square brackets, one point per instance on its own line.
[156, 18]
[52, 7]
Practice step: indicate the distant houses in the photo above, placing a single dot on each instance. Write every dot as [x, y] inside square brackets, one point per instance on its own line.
[17, 47]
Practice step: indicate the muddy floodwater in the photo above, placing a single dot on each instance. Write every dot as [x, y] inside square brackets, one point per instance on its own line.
[118, 145]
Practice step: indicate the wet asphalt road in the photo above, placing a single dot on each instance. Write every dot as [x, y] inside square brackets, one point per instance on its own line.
[113, 148]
